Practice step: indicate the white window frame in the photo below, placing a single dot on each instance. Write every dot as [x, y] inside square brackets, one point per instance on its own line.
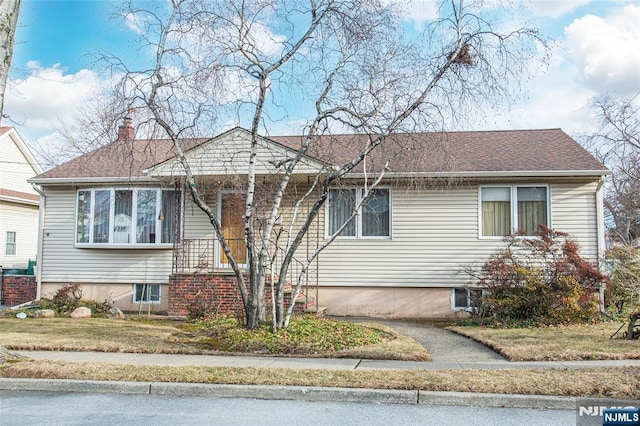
[146, 302]
[358, 217]
[513, 191]
[134, 211]
[468, 307]
[11, 243]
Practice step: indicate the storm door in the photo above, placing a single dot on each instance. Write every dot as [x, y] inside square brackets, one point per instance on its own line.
[231, 210]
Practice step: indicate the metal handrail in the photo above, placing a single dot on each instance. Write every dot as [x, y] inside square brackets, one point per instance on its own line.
[192, 256]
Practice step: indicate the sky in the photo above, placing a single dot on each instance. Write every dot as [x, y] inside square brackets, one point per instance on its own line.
[54, 70]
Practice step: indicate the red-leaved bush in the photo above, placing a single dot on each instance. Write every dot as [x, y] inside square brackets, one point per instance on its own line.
[539, 280]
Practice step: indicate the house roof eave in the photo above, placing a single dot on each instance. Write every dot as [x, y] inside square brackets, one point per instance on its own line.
[93, 180]
[492, 174]
[18, 200]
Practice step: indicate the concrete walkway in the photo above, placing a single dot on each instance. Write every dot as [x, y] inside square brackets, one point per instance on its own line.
[443, 345]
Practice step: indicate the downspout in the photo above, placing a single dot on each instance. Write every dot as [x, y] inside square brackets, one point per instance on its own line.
[600, 237]
[40, 241]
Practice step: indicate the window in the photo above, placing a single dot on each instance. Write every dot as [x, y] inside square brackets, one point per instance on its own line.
[464, 299]
[10, 249]
[139, 216]
[503, 206]
[146, 293]
[372, 220]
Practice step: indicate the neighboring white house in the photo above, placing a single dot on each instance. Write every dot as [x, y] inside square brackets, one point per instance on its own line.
[18, 201]
[118, 222]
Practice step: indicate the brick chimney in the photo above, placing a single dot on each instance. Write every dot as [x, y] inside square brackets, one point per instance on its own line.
[126, 130]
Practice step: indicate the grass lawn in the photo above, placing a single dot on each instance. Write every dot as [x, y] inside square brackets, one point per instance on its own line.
[164, 336]
[563, 343]
[623, 383]
[308, 337]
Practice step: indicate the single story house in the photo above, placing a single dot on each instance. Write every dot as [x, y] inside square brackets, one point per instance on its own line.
[119, 221]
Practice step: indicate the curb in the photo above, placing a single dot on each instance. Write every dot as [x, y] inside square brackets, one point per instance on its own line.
[300, 393]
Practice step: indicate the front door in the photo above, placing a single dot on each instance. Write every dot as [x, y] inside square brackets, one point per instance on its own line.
[232, 205]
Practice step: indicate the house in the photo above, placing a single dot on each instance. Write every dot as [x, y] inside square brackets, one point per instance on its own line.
[18, 219]
[118, 221]
[18, 202]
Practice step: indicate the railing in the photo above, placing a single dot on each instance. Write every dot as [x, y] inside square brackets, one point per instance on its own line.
[191, 256]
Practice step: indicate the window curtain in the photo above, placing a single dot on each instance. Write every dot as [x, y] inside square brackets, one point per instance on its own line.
[101, 216]
[146, 217]
[375, 214]
[496, 212]
[84, 217]
[342, 203]
[532, 209]
[168, 215]
[122, 221]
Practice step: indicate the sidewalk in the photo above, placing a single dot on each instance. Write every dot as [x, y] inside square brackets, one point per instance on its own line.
[381, 396]
[311, 363]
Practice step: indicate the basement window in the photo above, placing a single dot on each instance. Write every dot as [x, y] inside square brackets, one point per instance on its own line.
[463, 299]
[146, 293]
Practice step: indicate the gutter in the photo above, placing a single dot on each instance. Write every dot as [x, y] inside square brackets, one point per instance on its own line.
[90, 180]
[493, 173]
[43, 199]
[601, 245]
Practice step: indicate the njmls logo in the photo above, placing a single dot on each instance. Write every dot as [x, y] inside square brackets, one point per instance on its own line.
[594, 410]
[607, 415]
[621, 417]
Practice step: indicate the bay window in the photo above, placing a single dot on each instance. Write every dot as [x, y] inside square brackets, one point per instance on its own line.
[373, 218]
[115, 216]
[502, 206]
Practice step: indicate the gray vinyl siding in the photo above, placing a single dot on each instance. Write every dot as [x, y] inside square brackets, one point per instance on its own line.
[574, 211]
[63, 262]
[435, 238]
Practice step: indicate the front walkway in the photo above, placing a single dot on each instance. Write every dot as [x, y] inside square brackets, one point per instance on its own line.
[443, 346]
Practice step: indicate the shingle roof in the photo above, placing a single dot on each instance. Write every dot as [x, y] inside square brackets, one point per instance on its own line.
[20, 196]
[119, 159]
[534, 151]
[462, 152]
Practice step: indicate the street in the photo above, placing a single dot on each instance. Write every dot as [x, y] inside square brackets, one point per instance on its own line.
[38, 408]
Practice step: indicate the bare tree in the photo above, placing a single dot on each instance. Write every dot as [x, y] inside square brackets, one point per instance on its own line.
[347, 62]
[617, 144]
[8, 21]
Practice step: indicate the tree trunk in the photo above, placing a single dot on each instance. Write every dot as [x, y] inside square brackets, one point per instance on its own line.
[8, 21]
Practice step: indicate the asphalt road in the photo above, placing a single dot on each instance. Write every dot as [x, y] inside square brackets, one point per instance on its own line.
[39, 408]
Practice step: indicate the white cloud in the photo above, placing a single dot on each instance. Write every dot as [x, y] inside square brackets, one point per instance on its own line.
[555, 8]
[417, 11]
[134, 23]
[48, 96]
[605, 50]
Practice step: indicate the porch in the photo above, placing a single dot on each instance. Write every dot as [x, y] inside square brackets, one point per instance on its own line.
[203, 281]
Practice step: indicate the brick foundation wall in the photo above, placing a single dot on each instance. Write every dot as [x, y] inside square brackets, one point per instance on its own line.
[193, 293]
[18, 289]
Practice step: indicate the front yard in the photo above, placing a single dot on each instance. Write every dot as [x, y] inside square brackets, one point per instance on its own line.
[562, 343]
[163, 336]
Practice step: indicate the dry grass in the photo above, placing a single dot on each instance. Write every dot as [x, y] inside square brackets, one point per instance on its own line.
[621, 383]
[163, 336]
[564, 343]
[92, 334]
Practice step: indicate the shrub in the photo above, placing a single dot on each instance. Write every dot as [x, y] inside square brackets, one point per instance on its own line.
[623, 292]
[537, 281]
[69, 297]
